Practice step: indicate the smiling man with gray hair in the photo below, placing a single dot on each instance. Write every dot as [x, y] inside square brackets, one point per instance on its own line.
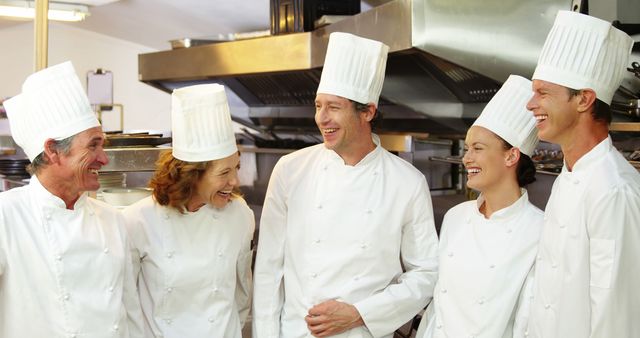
[65, 266]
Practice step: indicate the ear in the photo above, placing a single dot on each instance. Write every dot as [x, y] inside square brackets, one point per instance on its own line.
[512, 157]
[586, 100]
[370, 113]
[50, 152]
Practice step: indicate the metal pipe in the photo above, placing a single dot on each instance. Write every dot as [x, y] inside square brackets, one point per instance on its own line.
[41, 32]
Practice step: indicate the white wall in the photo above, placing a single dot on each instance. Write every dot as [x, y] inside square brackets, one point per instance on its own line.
[144, 106]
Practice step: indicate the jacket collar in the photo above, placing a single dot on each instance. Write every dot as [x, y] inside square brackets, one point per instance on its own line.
[504, 213]
[369, 158]
[594, 155]
[50, 200]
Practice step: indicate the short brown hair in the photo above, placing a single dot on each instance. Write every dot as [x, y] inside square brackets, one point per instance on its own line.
[174, 181]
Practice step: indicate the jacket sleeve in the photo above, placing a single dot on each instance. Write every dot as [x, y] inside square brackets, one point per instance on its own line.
[386, 311]
[243, 272]
[614, 248]
[130, 297]
[268, 296]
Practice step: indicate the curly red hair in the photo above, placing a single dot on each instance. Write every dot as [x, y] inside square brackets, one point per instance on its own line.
[174, 181]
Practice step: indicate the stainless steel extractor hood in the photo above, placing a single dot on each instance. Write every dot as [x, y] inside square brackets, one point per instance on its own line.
[447, 59]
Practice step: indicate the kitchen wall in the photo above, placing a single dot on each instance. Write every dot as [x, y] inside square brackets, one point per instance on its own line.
[145, 107]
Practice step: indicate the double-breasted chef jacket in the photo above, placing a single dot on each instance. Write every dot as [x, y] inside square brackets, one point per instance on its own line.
[333, 231]
[194, 269]
[484, 265]
[587, 271]
[64, 273]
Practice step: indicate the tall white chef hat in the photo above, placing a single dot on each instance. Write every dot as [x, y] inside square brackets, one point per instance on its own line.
[507, 116]
[201, 124]
[354, 68]
[52, 104]
[584, 52]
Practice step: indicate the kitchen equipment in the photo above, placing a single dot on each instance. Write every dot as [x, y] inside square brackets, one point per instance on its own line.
[124, 196]
[290, 16]
[12, 166]
[135, 139]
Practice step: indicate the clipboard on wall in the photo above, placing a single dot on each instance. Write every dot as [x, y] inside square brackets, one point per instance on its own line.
[100, 88]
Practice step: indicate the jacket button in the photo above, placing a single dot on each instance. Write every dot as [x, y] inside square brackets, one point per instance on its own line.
[439, 326]
[66, 296]
[509, 231]
[369, 211]
[111, 289]
[314, 275]
[211, 319]
[116, 328]
[443, 291]
[317, 240]
[481, 301]
[450, 254]
[215, 216]
[168, 321]
[320, 206]
[492, 266]
[58, 258]
[169, 254]
[106, 250]
[547, 306]
[169, 289]
[215, 290]
[166, 216]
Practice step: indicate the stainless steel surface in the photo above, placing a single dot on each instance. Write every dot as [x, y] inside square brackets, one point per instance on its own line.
[132, 159]
[447, 59]
[493, 38]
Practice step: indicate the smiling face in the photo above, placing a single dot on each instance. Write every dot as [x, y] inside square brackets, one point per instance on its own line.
[217, 183]
[485, 159]
[343, 129]
[86, 156]
[555, 111]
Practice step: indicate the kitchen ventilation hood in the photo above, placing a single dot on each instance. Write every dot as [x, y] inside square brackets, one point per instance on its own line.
[447, 59]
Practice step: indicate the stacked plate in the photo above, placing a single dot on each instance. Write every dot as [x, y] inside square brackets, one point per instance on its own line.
[12, 166]
[112, 180]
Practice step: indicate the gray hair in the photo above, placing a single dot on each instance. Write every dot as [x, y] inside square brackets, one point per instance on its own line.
[62, 146]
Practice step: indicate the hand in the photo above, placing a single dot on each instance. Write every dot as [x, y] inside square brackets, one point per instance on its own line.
[332, 317]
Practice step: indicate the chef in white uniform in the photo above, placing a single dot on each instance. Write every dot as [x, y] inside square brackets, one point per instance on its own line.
[488, 246]
[64, 259]
[342, 219]
[587, 272]
[192, 237]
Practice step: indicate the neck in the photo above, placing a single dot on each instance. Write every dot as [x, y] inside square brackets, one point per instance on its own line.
[582, 140]
[59, 187]
[358, 152]
[500, 196]
[194, 205]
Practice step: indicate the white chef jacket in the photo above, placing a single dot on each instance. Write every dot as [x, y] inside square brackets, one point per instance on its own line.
[194, 269]
[333, 231]
[587, 272]
[64, 273]
[484, 265]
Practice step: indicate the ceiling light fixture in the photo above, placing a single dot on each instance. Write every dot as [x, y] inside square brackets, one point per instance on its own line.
[57, 11]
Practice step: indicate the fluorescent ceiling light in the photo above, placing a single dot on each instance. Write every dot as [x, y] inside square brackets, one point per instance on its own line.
[57, 11]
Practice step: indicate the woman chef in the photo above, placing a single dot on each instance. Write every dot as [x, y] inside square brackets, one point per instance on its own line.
[488, 246]
[192, 237]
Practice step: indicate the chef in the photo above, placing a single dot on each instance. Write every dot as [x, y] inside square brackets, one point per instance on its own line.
[586, 271]
[192, 237]
[488, 246]
[342, 219]
[64, 259]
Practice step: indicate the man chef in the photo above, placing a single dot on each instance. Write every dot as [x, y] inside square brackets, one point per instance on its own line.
[586, 271]
[65, 266]
[342, 219]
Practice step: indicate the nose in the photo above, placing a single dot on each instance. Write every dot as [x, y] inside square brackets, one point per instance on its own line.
[102, 157]
[466, 158]
[321, 115]
[233, 179]
[532, 104]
